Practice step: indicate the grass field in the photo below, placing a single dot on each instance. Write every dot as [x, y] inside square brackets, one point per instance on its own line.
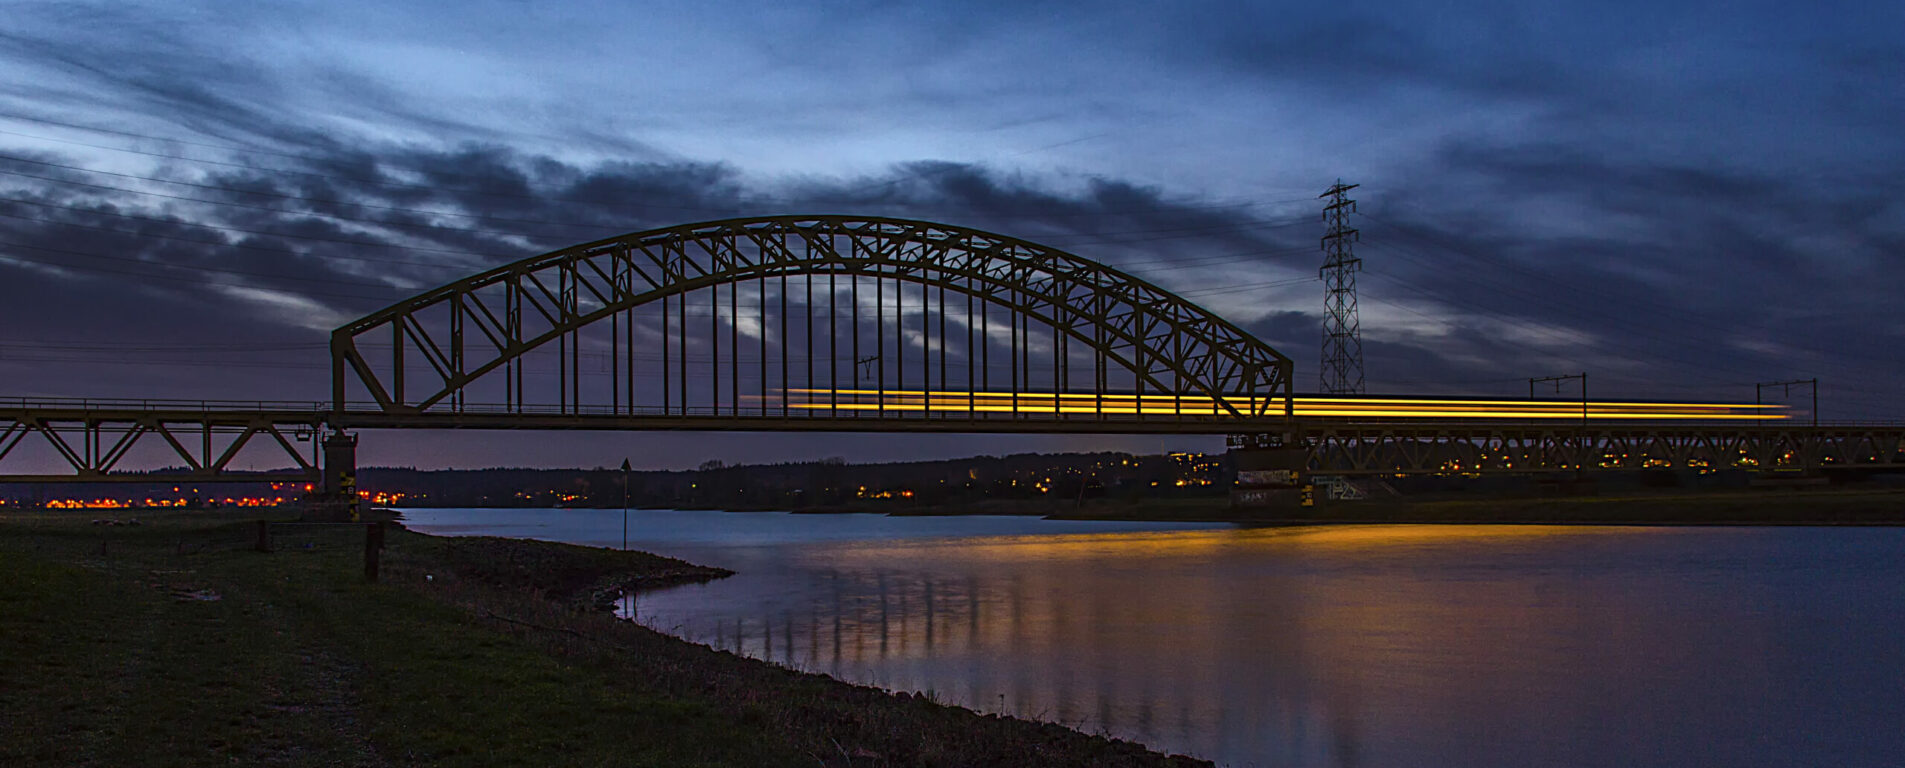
[176, 643]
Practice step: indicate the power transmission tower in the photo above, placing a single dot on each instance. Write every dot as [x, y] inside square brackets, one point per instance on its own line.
[1342, 330]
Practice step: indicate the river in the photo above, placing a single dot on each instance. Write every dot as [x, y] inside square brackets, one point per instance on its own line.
[1316, 646]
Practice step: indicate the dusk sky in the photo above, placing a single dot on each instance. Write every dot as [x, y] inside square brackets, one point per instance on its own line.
[1682, 199]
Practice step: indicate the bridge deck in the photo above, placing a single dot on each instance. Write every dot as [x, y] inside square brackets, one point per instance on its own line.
[94, 436]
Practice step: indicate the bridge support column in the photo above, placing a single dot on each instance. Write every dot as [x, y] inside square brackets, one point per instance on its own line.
[1272, 474]
[338, 500]
[340, 463]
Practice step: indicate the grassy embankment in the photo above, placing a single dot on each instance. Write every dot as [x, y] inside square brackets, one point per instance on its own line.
[175, 643]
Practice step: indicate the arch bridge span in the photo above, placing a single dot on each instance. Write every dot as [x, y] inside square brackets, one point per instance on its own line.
[871, 324]
[807, 322]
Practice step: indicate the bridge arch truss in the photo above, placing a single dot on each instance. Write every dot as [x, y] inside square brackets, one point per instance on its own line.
[827, 322]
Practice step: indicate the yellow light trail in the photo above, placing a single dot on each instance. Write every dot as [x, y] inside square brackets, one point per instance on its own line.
[1310, 407]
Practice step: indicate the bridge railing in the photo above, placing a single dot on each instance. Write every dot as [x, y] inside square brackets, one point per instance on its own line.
[817, 411]
[820, 412]
[1037, 406]
[153, 405]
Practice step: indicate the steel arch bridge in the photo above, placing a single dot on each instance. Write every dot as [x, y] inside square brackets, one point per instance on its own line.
[870, 324]
[807, 322]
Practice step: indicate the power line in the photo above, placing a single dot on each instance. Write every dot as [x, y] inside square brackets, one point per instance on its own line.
[386, 288]
[493, 193]
[1245, 287]
[1684, 317]
[1511, 289]
[265, 233]
[248, 206]
[1600, 308]
[189, 268]
[1687, 317]
[1098, 237]
[1206, 262]
[93, 345]
[306, 280]
[1577, 339]
[1105, 238]
[239, 246]
[367, 243]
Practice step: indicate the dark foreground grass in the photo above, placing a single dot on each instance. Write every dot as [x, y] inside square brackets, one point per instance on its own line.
[173, 643]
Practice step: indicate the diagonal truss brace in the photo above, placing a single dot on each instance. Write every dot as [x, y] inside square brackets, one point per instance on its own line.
[94, 443]
[1159, 337]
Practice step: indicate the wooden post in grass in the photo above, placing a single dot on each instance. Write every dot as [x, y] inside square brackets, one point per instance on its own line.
[264, 536]
[373, 546]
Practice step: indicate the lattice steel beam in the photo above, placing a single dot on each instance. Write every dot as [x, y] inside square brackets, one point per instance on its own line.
[94, 441]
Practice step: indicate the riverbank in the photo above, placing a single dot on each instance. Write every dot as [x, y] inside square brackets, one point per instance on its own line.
[175, 642]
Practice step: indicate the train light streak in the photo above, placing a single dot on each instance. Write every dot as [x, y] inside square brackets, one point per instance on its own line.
[918, 401]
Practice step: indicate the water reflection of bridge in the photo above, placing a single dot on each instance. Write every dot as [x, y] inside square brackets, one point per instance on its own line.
[1229, 642]
[1007, 625]
[924, 633]
[1317, 646]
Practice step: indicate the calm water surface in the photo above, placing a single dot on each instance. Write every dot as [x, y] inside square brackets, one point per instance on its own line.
[1338, 646]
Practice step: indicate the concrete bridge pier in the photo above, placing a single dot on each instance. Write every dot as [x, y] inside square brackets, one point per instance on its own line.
[337, 500]
[340, 463]
[1272, 472]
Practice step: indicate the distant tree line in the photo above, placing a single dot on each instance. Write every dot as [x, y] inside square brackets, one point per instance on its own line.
[815, 484]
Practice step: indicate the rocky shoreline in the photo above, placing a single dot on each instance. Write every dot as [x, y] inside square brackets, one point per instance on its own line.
[589, 577]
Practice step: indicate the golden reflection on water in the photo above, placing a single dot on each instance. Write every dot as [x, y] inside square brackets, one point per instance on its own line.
[1126, 546]
[1339, 645]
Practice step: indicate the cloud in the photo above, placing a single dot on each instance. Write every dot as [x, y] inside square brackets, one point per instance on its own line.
[1674, 204]
[318, 237]
[327, 236]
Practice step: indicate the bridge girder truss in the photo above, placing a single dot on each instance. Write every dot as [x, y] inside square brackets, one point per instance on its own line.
[487, 323]
[1372, 449]
[93, 441]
